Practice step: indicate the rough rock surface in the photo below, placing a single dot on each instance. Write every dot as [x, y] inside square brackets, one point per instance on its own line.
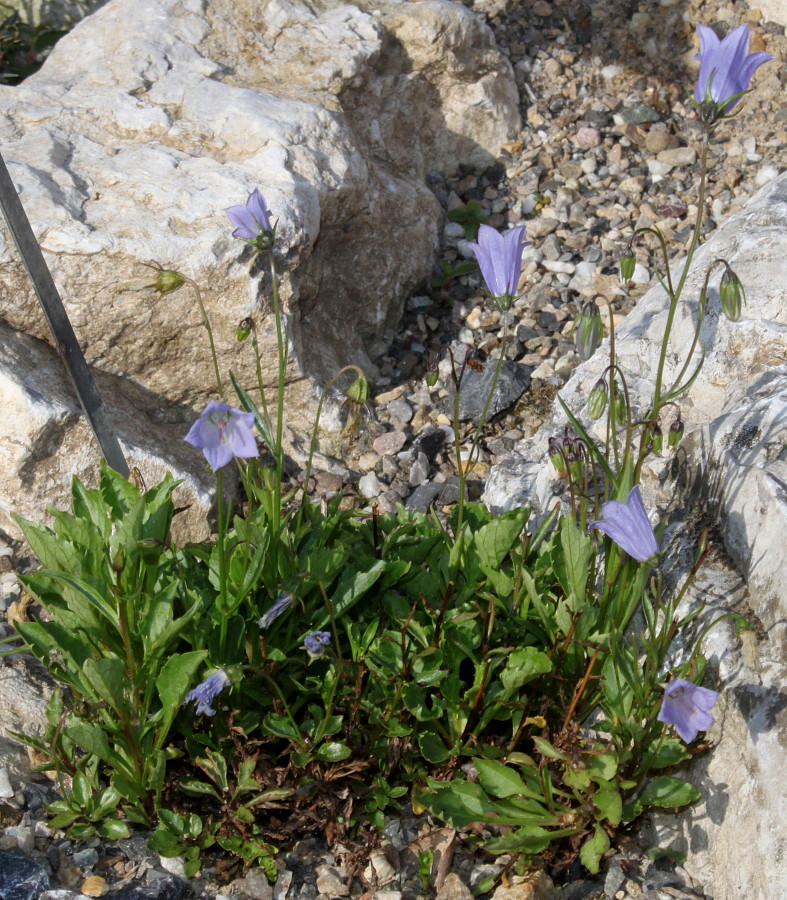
[729, 473]
[152, 116]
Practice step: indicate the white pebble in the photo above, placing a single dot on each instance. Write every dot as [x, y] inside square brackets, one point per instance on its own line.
[766, 174]
[611, 71]
[6, 791]
[641, 275]
[564, 268]
[369, 486]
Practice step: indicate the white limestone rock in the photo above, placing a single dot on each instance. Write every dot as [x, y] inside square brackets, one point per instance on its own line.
[729, 473]
[152, 116]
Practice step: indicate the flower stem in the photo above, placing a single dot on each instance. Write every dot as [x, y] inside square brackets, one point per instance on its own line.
[206, 323]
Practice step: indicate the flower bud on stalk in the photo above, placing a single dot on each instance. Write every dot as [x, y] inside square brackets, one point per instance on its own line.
[732, 295]
[597, 401]
[358, 391]
[588, 331]
[620, 404]
[556, 455]
[658, 440]
[628, 262]
[244, 330]
[574, 465]
[675, 433]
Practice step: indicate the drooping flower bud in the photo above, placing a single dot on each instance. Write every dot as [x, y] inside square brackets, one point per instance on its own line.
[588, 331]
[620, 404]
[628, 262]
[358, 391]
[168, 281]
[658, 440]
[244, 329]
[597, 401]
[675, 433]
[732, 295]
[432, 377]
[556, 456]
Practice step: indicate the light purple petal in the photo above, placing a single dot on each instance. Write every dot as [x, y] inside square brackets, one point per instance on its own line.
[257, 207]
[627, 524]
[708, 57]
[243, 219]
[687, 707]
[218, 456]
[500, 258]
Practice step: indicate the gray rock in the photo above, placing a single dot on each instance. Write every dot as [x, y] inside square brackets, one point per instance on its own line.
[159, 886]
[21, 878]
[475, 388]
[423, 497]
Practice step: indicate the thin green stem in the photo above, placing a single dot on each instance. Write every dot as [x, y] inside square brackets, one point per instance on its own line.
[684, 274]
[206, 323]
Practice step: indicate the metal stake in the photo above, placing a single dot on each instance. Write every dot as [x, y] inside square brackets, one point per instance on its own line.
[59, 323]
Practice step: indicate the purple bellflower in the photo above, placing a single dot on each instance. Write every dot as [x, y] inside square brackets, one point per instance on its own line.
[252, 219]
[687, 706]
[726, 67]
[500, 259]
[316, 643]
[282, 604]
[223, 432]
[628, 526]
[205, 693]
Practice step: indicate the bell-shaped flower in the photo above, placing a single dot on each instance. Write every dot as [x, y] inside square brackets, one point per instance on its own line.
[316, 643]
[222, 433]
[205, 693]
[687, 706]
[500, 259]
[628, 526]
[726, 67]
[282, 604]
[252, 219]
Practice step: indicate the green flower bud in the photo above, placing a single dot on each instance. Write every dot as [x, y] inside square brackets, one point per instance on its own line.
[431, 377]
[658, 440]
[675, 433]
[732, 295]
[244, 329]
[358, 391]
[620, 404]
[168, 280]
[597, 401]
[588, 331]
[628, 262]
[556, 456]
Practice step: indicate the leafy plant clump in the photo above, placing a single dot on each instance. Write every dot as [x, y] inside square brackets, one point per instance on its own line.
[486, 647]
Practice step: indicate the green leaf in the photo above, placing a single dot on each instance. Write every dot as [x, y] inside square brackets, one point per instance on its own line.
[114, 830]
[332, 751]
[281, 726]
[602, 765]
[500, 780]
[494, 541]
[593, 849]
[81, 790]
[572, 565]
[670, 753]
[609, 804]
[165, 843]
[432, 748]
[667, 791]
[527, 839]
[194, 788]
[173, 682]
[107, 677]
[522, 666]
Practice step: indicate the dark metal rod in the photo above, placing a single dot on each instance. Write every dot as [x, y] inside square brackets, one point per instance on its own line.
[59, 323]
